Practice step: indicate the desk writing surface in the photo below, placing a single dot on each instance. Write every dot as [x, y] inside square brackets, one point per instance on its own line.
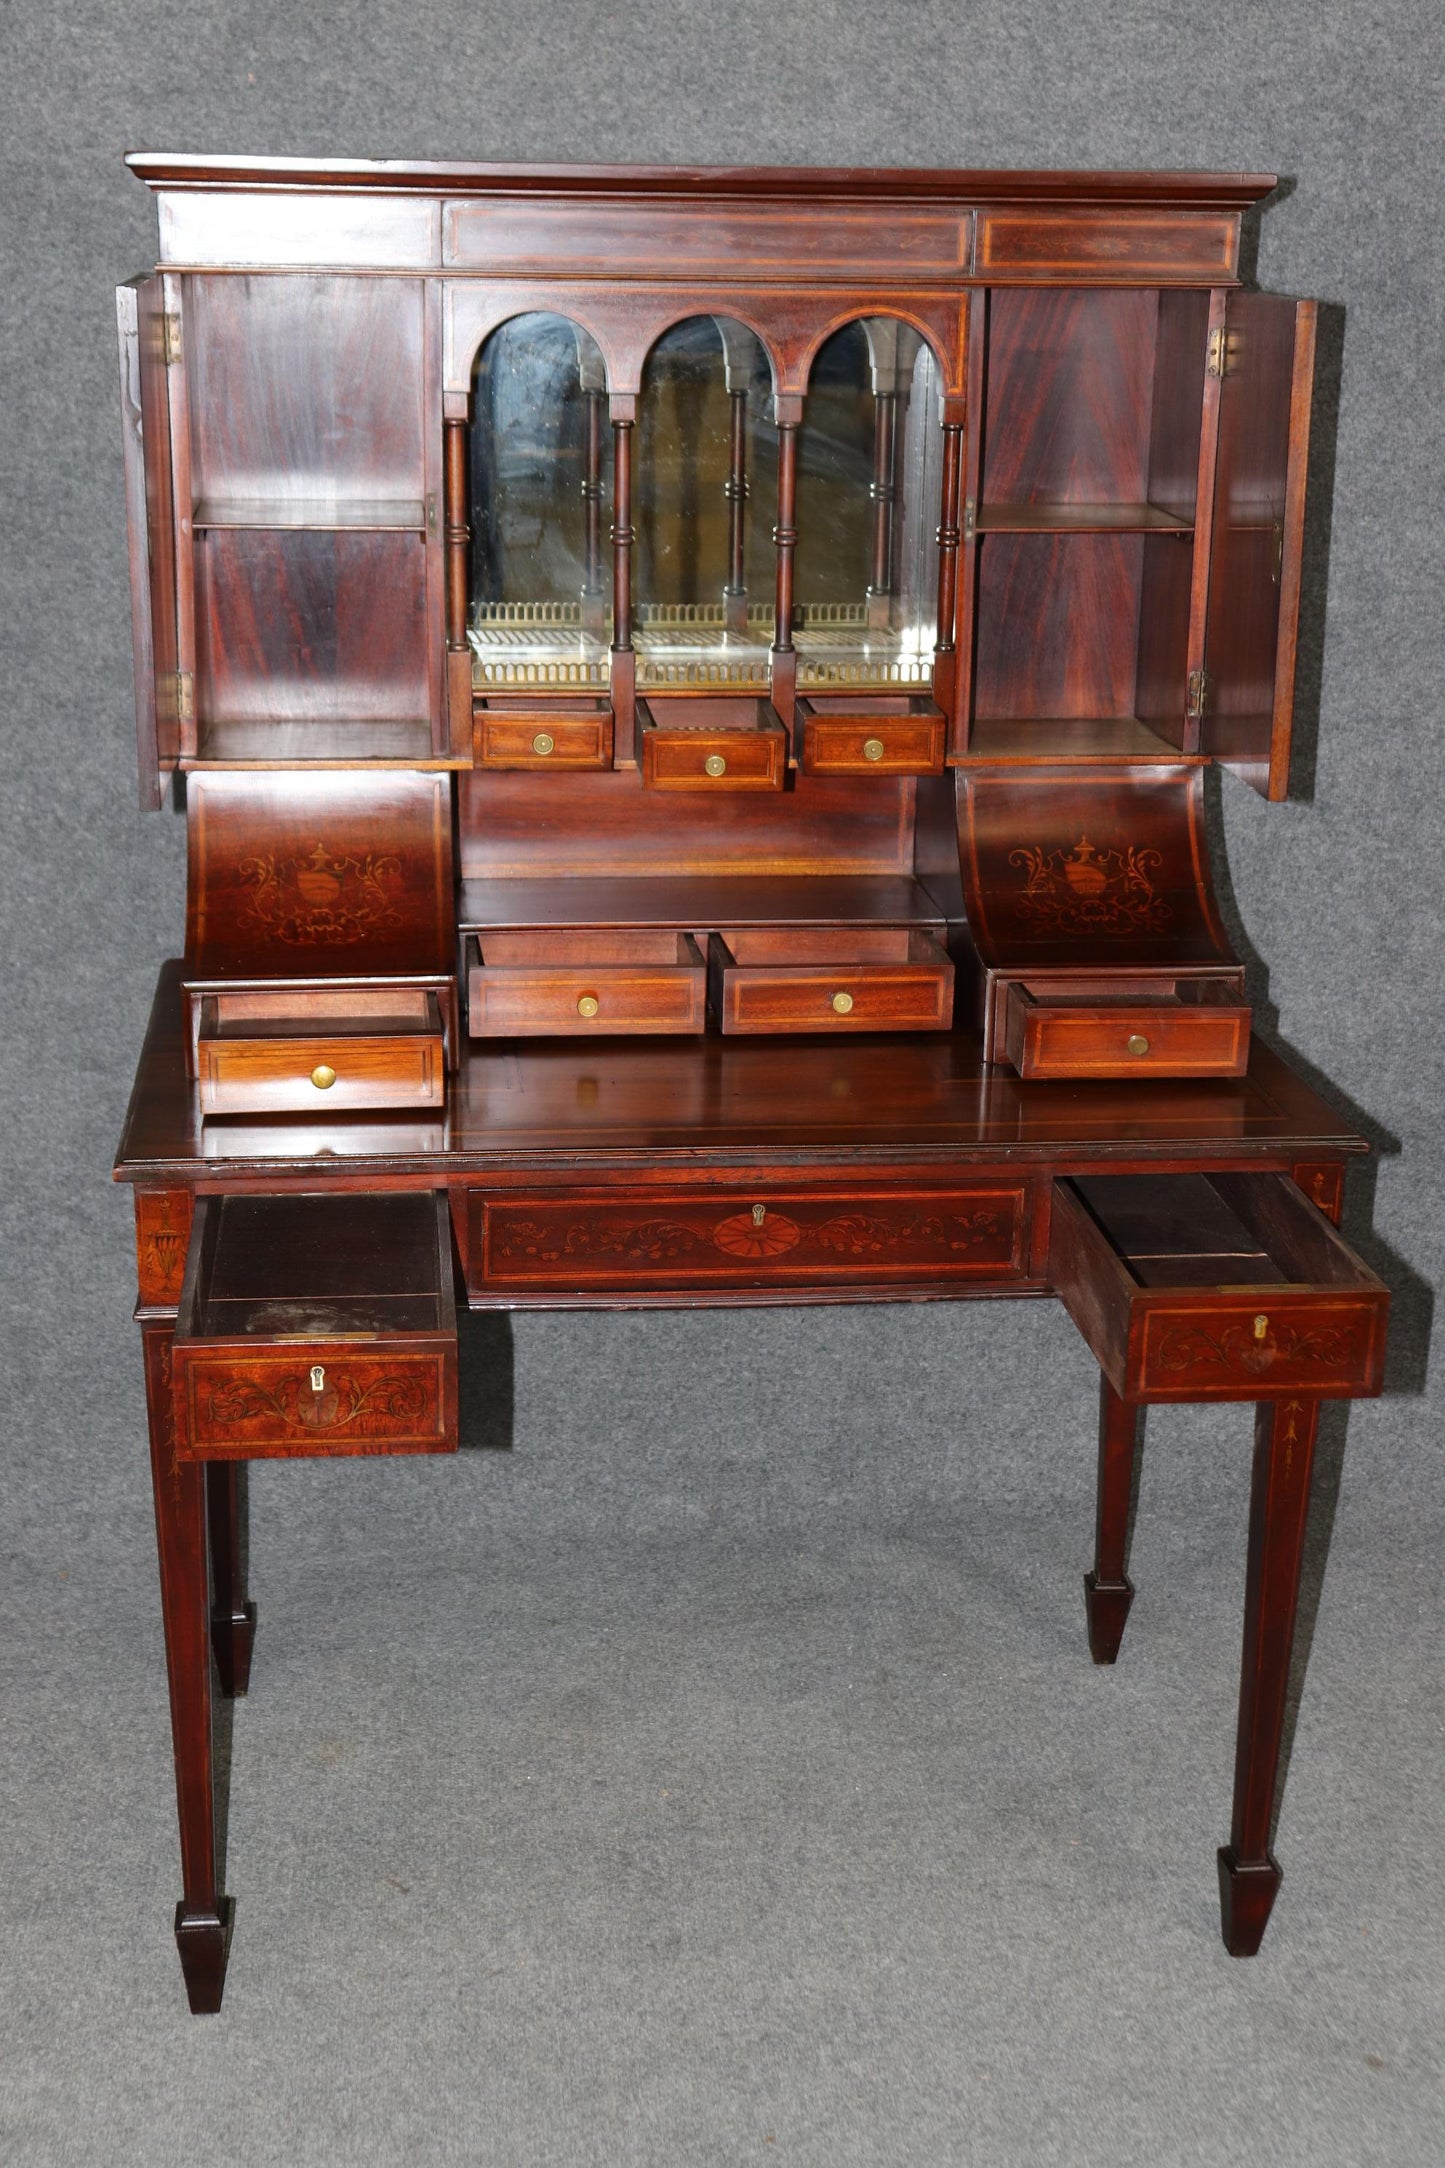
[710, 1099]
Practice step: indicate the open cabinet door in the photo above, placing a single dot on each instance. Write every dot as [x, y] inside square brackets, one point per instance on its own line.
[1265, 361]
[150, 529]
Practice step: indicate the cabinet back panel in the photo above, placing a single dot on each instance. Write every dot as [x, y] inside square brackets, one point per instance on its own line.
[306, 387]
[1057, 622]
[1070, 391]
[520, 825]
[312, 626]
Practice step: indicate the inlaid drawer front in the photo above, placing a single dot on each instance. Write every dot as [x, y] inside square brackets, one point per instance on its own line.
[829, 979]
[1222, 1287]
[1310, 1344]
[666, 1240]
[900, 735]
[584, 981]
[541, 734]
[320, 1398]
[316, 1325]
[1062, 1038]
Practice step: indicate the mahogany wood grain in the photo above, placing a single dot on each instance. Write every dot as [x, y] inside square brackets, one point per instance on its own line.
[1108, 1591]
[584, 980]
[233, 1615]
[150, 530]
[1249, 1875]
[832, 979]
[870, 734]
[542, 733]
[203, 1916]
[714, 746]
[276, 1063]
[1071, 244]
[1067, 1036]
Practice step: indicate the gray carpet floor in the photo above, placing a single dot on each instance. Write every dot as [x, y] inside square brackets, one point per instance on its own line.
[707, 1765]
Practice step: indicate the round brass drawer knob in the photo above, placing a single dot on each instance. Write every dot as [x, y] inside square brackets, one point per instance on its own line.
[587, 1004]
[842, 1004]
[323, 1076]
[715, 764]
[544, 743]
[872, 748]
[1137, 1043]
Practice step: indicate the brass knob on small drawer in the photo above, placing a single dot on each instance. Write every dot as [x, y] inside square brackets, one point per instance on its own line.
[587, 1004]
[715, 764]
[544, 742]
[872, 748]
[1137, 1043]
[323, 1076]
[842, 1004]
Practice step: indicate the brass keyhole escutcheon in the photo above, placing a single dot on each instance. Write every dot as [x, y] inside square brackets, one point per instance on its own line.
[323, 1076]
[587, 1004]
[715, 764]
[1261, 1326]
[544, 742]
[842, 1004]
[318, 1378]
[1137, 1043]
[760, 1213]
[872, 748]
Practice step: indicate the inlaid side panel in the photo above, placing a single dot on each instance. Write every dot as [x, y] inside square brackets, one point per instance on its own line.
[162, 1231]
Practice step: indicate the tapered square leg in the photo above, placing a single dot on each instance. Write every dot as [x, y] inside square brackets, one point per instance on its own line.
[233, 1618]
[203, 1916]
[1108, 1591]
[1249, 1876]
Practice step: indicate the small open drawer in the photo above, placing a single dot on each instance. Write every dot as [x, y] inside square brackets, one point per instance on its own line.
[1190, 1027]
[317, 1325]
[734, 743]
[584, 979]
[870, 734]
[541, 733]
[1215, 1287]
[295, 1051]
[829, 978]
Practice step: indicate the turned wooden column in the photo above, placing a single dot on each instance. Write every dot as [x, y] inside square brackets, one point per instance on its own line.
[785, 538]
[458, 535]
[624, 658]
[203, 1916]
[1108, 1591]
[735, 592]
[1249, 1875]
[950, 534]
[883, 493]
[594, 614]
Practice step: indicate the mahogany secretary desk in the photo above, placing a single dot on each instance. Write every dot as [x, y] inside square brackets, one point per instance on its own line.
[693, 690]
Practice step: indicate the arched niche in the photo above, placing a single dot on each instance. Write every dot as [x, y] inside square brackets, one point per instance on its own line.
[705, 498]
[540, 507]
[870, 467]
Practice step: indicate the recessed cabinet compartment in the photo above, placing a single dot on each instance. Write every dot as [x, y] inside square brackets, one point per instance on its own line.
[321, 1049]
[706, 744]
[829, 978]
[1070, 1028]
[1215, 1287]
[870, 734]
[566, 979]
[542, 734]
[317, 1325]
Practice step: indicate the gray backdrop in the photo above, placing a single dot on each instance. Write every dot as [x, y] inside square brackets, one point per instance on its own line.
[708, 1766]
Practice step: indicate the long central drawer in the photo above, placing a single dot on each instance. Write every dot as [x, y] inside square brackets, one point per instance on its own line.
[656, 1241]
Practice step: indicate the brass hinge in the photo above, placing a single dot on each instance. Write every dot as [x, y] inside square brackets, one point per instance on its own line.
[1223, 352]
[171, 336]
[1198, 698]
[185, 691]
[970, 519]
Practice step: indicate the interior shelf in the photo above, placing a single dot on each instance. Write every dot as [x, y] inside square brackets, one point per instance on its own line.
[1079, 519]
[701, 902]
[301, 744]
[1049, 738]
[325, 515]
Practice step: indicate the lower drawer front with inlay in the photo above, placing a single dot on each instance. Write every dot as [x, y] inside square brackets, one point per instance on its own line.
[576, 980]
[672, 1240]
[1222, 1287]
[316, 1326]
[829, 978]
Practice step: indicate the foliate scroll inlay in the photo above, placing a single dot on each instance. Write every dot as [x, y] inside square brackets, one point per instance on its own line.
[361, 1403]
[1237, 1348]
[318, 900]
[1090, 890]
